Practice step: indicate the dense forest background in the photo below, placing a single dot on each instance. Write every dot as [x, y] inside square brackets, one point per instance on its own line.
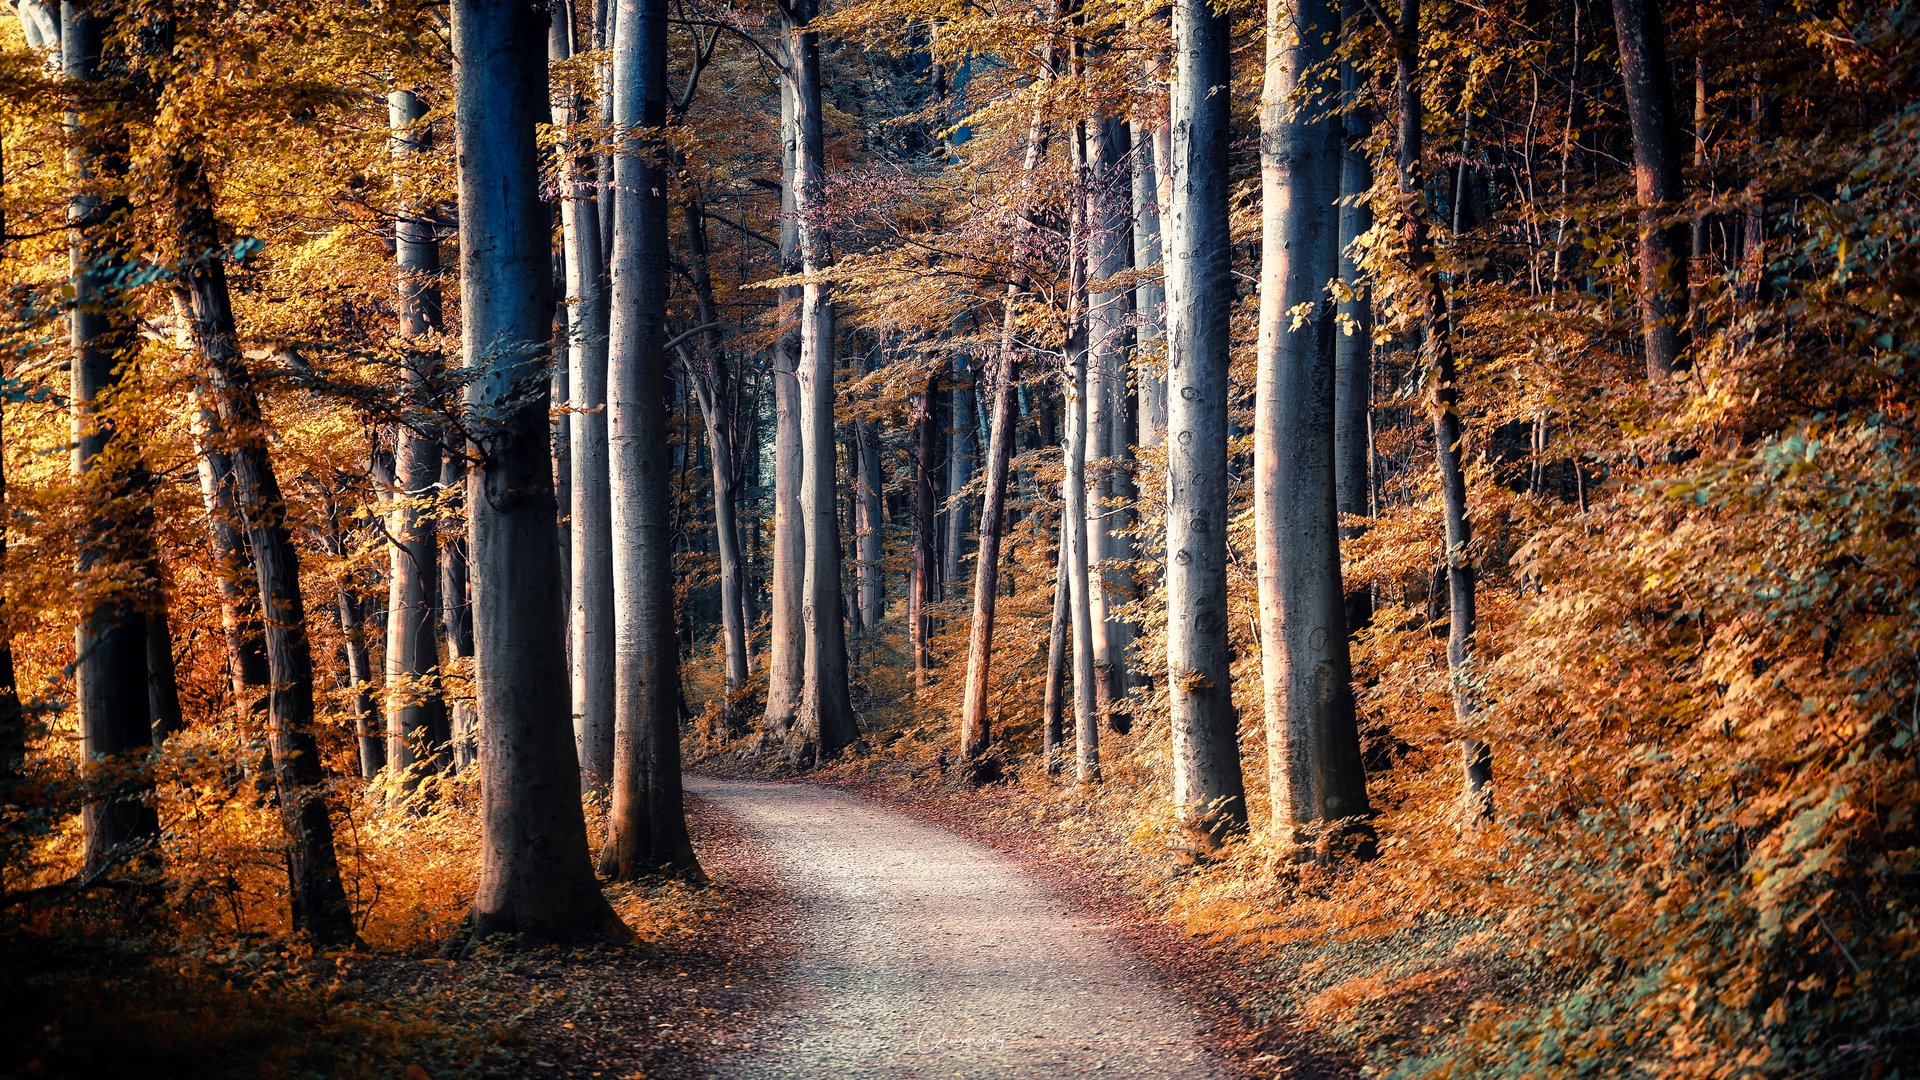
[1423, 493]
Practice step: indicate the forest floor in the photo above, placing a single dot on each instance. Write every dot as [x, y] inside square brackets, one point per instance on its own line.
[922, 952]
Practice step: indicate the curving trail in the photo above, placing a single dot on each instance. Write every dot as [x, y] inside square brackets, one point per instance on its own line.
[923, 953]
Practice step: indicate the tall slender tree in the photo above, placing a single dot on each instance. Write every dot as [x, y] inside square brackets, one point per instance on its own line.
[110, 666]
[1208, 791]
[824, 724]
[418, 729]
[1109, 255]
[647, 827]
[786, 630]
[590, 513]
[1313, 744]
[1657, 173]
[535, 876]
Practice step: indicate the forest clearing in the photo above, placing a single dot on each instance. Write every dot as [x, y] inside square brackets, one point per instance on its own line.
[959, 537]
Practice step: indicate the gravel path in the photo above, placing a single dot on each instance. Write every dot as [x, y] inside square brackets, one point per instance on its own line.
[923, 953]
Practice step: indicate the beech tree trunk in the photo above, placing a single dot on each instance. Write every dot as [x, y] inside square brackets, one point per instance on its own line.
[1109, 255]
[1353, 328]
[1149, 294]
[1313, 745]
[456, 606]
[646, 828]
[418, 729]
[825, 724]
[1657, 173]
[869, 525]
[590, 513]
[715, 387]
[1073, 489]
[535, 877]
[960, 454]
[163, 686]
[110, 665]
[1052, 728]
[246, 644]
[786, 632]
[1207, 787]
[319, 901]
[1437, 357]
[923, 585]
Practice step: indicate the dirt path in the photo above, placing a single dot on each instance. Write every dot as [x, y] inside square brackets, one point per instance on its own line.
[923, 953]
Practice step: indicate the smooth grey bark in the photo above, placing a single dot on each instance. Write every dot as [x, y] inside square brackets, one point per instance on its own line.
[646, 828]
[590, 509]
[535, 877]
[1109, 254]
[1353, 328]
[418, 729]
[363, 711]
[1149, 294]
[119, 821]
[1314, 772]
[1073, 488]
[960, 466]
[786, 631]
[824, 725]
[1207, 787]
[869, 524]
[1657, 172]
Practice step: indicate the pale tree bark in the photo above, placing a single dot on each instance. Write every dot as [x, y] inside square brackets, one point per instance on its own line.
[1314, 771]
[786, 632]
[590, 513]
[647, 828]
[319, 901]
[535, 877]
[1053, 736]
[1657, 173]
[1073, 488]
[1353, 334]
[1109, 331]
[1207, 788]
[869, 524]
[1149, 295]
[975, 732]
[1436, 344]
[825, 724]
[110, 666]
[418, 730]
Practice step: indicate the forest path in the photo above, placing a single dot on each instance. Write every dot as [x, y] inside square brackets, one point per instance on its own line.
[923, 953]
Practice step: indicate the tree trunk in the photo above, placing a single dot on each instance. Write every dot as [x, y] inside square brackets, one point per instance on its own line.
[1437, 348]
[1353, 328]
[825, 724]
[589, 513]
[353, 630]
[1073, 488]
[646, 829]
[786, 632]
[1657, 174]
[1109, 254]
[1207, 787]
[535, 877]
[975, 733]
[418, 730]
[1052, 729]
[319, 901]
[456, 606]
[715, 386]
[110, 665]
[163, 686]
[921, 589]
[1313, 744]
[869, 528]
[960, 454]
[246, 644]
[1149, 294]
